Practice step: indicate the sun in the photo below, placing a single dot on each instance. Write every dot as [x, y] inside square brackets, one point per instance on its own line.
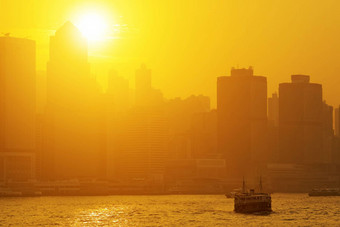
[93, 26]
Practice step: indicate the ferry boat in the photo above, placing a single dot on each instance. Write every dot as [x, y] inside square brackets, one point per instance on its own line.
[252, 202]
[325, 192]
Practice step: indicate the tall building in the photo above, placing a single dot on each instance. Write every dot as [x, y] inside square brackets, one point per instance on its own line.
[203, 135]
[142, 140]
[180, 112]
[75, 118]
[117, 105]
[145, 94]
[118, 91]
[41, 84]
[273, 110]
[17, 108]
[145, 147]
[337, 121]
[17, 94]
[300, 121]
[188, 126]
[273, 126]
[336, 148]
[142, 84]
[328, 133]
[242, 120]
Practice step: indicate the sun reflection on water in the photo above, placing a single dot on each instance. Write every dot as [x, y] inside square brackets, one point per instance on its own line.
[189, 210]
[102, 217]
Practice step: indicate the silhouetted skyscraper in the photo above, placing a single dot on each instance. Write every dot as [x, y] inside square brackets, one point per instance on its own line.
[273, 110]
[328, 133]
[203, 135]
[273, 127]
[145, 94]
[337, 121]
[17, 109]
[180, 112]
[336, 148]
[17, 94]
[117, 107]
[118, 91]
[74, 111]
[300, 121]
[145, 143]
[184, 115]
[242, 119]
[144, 138]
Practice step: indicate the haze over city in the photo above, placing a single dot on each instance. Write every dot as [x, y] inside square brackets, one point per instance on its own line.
[182, 104]
[195, 41]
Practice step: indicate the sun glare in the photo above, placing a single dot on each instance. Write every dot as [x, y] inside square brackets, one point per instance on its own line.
[93, 26]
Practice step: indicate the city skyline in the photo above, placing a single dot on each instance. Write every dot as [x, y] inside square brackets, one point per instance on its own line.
[293, 41]
[155, 113]
[120, 126]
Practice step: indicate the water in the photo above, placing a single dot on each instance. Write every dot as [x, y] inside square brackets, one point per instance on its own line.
[169, 210]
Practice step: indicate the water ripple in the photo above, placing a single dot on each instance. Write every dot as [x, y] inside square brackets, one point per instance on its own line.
[174, 210]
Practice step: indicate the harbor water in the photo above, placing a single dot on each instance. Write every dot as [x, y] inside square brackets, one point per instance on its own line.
[166, 210]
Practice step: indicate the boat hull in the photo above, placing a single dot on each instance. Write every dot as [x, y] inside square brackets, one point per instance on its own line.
[324, 194]
[253, 207]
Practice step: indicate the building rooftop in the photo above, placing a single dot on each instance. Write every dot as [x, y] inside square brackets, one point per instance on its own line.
[300, 78]
[68, 29]
[242, 71]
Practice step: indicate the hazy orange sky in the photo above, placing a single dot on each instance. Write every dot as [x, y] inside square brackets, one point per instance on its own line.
[187, 44]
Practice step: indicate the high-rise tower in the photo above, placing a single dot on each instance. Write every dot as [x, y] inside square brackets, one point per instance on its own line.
[17, 109]
[242, 119]
[300, 121]
[75, 145]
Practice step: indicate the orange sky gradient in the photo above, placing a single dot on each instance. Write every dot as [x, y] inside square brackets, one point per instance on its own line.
[187, 44]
